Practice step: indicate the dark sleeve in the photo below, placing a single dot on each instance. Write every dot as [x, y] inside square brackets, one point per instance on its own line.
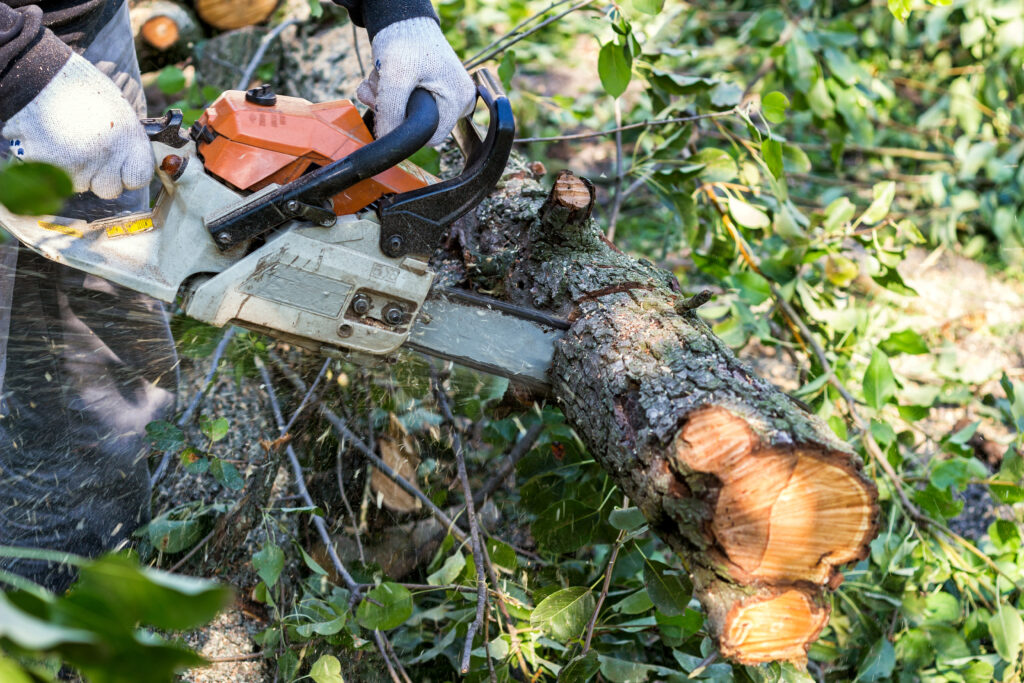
[376, 15]
[30, 56]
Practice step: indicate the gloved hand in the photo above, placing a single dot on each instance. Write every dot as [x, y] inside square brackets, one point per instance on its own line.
[81, 123]
[411, 54]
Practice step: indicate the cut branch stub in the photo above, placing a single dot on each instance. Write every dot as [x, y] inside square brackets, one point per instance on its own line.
[782, 515]
[569, 206]
[779, 627]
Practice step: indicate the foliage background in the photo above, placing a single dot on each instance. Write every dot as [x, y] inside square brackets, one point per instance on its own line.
[801, 157]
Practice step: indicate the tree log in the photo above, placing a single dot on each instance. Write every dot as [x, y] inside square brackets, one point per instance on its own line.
[758, 497]
[231, 14]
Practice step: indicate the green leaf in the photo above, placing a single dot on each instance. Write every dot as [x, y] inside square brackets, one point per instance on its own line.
[615, 67]
[315, 11]
[226, 474]
[879, 382]
[194, 461]
[171, 80]
[1004, 534]
[449, 571]
[174, 535]
[884, 193]
[1007, 631]
[670, 589]
[564, 614]
[771, 150]
[840, 270]
[774, 106]
[10, 672]
[312, 564]
[904, 341]
[879, 661]
[268, 563]
[31, 633]
[748, 215]
[395, 606]
[327, 669]
[164, 436]
[652, 7]
[636, 603]
[820, 101]
[580, 668]
[566, 525]
[507, 69]
[718, 165]
[900, 8]
[838, 214]
[624, 671]
[627, 519]
[33, 189]
[214, 430]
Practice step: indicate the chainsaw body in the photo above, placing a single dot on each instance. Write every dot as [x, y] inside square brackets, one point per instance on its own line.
[288, 217]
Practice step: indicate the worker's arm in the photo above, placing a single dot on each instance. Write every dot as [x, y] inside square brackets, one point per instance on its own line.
[57, 107]
[409, 52]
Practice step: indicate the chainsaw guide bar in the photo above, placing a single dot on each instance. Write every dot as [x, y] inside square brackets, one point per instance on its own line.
[288, 218]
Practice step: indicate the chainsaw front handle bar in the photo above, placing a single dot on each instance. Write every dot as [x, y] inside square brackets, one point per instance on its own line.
[306, 197]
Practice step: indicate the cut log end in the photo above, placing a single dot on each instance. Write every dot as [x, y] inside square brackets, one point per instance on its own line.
[569, 204]
[231, 14]
[781, 516]
[160, 32]
[780, 627]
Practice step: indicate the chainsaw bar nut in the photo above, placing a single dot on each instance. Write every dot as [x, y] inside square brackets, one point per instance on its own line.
[361, 304]
[393, 314]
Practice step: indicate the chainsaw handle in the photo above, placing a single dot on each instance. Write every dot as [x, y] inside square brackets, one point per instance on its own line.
[415, 222]
[305, 197]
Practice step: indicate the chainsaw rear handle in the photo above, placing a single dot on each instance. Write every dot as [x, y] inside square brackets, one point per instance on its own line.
[305, 197]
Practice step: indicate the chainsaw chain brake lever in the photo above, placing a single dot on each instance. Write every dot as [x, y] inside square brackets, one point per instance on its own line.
[411, 222]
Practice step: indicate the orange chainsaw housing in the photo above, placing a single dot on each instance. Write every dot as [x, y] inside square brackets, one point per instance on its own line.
[256, 145]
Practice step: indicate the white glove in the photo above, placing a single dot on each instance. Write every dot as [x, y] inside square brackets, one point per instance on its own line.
[410, 54]
[81, 123]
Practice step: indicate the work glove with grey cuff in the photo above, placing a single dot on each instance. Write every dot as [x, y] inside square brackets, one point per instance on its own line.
[81, 123]
[410, 54]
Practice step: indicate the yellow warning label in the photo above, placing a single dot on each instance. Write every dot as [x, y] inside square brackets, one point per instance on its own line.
[62, 229]
[130, 228]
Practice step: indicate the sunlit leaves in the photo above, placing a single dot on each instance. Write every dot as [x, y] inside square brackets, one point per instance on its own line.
[327, 669]
[748, 215]
[563, 615]
[774, 106]
[268, 563]
[884, 193]
[171, 80]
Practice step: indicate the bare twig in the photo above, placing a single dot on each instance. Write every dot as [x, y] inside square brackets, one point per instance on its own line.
[261, 51]
[438, 513]
[218, 353]
[508, 463]
[514, 31]
[476, 61]
[394, 656]
[617, 201]
[195, 549]
[630, 126]
[378, 637]
[344, 500]
[305, 399]
[474, 528]
[300, 483]
[359, 52]
[236, 658]
[604, 587]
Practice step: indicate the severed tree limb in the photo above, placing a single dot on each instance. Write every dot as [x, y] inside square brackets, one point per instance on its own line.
[758, 497]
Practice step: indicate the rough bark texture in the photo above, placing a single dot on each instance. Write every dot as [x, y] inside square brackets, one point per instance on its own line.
[757, 496]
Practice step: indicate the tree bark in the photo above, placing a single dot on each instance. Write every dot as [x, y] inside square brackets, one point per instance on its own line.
[757, 496]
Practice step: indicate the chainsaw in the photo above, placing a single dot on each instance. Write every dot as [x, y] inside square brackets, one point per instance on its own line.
[290, 219]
